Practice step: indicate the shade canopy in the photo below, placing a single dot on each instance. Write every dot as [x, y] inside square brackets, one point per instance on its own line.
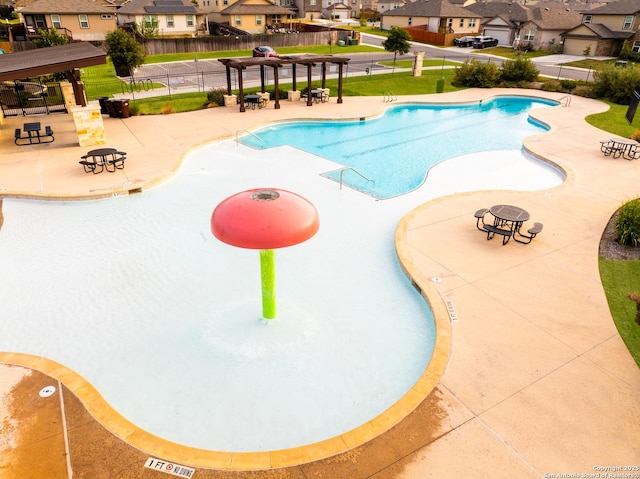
[265, 218]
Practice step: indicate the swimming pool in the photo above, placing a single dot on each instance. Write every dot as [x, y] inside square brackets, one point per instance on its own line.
[391, 155]
[136, 295]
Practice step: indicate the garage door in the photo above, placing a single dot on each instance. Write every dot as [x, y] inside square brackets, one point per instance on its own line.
[574, 46]
[501, 35]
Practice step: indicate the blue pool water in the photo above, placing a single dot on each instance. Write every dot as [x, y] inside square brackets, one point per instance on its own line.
[395, 152]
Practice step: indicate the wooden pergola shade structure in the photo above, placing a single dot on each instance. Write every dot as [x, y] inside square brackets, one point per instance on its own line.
[67, 58]
[276, 62]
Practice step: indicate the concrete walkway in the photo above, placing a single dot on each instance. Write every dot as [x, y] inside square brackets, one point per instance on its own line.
[536, 378]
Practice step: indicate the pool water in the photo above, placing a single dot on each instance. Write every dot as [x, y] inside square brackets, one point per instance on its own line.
[135, 294]
[392, 154]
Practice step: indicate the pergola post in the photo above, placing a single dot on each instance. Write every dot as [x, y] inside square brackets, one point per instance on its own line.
[293, 73]
[228, 79]
[240, 90]
[275, 82]
[340, 82]
[309, 95]
[324, 75]
[262, 81]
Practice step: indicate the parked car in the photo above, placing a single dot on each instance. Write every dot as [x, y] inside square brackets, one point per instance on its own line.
[264, 51]
[484, 42]
[463, 41]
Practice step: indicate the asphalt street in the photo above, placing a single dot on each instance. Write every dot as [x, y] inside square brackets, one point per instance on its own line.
[205, 75]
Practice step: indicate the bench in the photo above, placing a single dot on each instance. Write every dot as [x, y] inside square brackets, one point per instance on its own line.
[30, 139]
[495, 230]
[118, 160]
[479, 215]
[533, 231]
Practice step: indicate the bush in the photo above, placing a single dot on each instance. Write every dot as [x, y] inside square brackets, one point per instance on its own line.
[568, 84]
[167, 109]
[616, 84]
[282, 94]
[585, 91]
[628, 223]
[519, 69]
[551, 85]
[216, 96]
[635, 135]
[477, 74]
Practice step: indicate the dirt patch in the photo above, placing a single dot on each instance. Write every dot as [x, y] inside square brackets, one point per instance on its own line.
[611, 249]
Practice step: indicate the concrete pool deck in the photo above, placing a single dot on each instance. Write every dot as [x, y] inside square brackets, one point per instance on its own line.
[537, 380]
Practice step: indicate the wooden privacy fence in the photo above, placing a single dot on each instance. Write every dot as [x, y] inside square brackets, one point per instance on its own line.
[422, 35]
[157, 46]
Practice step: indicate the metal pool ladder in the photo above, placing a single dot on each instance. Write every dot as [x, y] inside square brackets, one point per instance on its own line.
[389, 96]
[247, 131]
[352, 169]
[565, 100]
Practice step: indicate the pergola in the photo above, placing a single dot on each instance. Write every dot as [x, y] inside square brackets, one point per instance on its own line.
[67, 58]
[277, 62]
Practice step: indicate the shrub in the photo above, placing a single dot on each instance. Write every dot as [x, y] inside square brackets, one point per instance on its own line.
[569, 84]
[616, 84]
[282, 94]
[551, 85]
[519, 69]
[477, 74]
[635, 135]
[216, 96]
[134, 108]
[628, 223]
[585, 91]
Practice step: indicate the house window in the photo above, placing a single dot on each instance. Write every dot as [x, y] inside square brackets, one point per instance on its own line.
[628, 21]
[353, 2]
[472, 22]
[312, 2]
[529, 36]
[329, 4]
[170, 22]
[190, 21]
[106, 16]
[84, 21]
[410, 21]
[461, 22]
[636, 46]
[238, 20]
[150, 21]
[55, 21]
[225, 2]
[587, 19]
[396, 5]
[258, 19]
[450, 22]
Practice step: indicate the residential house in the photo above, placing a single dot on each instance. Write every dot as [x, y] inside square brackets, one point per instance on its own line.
[171, 17]
[501, 20]
[604, 30]
[547, 22]
[83, 20]
[254, 16]
[379, 6]
[338, 11]
[438, 16]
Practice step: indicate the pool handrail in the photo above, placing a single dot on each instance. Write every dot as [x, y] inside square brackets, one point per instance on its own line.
[247, 131]
[342, 170]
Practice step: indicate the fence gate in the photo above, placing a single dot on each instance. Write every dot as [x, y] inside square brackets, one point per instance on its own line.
[31, 97]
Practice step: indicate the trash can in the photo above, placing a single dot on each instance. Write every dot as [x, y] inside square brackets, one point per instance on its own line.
[103, 104]
[341, 43]
[111, 108]
[123, 110]
[440, 85]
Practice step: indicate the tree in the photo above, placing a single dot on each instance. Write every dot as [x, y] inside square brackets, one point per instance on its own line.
[50, 38]
[126, 54]
[397, 42]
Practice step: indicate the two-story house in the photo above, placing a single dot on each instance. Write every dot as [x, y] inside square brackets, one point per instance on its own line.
[545, 26]
[604, 29]
[253, 16]
[500, 20]
[170, 17]
[84, 20]
[439, 16]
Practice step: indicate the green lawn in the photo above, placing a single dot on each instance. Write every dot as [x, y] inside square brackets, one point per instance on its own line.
[619, 278]
[613, 121]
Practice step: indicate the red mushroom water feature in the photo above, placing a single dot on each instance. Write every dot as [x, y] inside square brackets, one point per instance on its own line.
[265, 219]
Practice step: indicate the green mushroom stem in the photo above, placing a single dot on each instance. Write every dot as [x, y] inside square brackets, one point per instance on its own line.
[268, 276]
